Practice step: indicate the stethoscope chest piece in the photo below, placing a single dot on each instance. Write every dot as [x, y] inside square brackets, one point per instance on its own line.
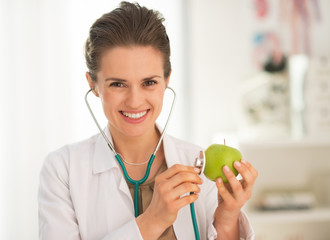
[200, 162]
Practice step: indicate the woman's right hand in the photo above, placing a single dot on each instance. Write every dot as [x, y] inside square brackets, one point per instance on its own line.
[167, 199]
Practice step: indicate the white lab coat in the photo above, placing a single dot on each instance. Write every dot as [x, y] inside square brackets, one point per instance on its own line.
[83, 195]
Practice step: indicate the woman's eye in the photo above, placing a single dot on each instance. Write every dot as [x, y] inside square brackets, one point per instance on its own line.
[149, 83]
[116, 84]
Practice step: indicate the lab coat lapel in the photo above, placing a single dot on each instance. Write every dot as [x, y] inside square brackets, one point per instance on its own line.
[104, 160]
[183, 226]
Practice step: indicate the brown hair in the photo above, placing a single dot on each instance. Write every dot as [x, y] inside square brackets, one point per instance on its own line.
[129, 24]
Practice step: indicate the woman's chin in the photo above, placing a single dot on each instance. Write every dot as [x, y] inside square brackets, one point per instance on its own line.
[133, 131]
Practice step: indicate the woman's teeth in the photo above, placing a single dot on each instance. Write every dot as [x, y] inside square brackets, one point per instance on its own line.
[134, 115]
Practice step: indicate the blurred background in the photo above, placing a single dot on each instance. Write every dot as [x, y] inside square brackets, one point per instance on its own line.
[253, 72]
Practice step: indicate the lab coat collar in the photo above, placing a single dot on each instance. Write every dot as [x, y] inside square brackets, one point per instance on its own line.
[170, 151]
[103, 157]
[104, 160]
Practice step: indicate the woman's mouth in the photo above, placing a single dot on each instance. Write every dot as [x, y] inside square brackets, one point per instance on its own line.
[134, 116]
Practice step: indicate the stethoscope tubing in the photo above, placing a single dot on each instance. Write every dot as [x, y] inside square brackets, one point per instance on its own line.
[194, 221]
[136, 183]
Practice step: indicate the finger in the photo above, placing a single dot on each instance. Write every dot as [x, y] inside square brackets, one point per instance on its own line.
[178, 168]
[252, 170]
[182, 190]
[250, 167]
[185, 200]
[186, 188]
[235, 185]
[183, 181]
[248, 178]
[225, 195]
[185, 177]
[246, 175]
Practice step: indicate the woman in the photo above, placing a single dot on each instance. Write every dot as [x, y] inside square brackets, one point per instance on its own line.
[83, 193]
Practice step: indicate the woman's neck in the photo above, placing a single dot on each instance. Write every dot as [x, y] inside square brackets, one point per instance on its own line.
[135, 149]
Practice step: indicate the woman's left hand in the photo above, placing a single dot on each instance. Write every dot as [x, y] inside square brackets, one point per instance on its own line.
[231, 198]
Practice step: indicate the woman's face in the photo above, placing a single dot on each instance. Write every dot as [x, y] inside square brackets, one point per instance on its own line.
[131, 86]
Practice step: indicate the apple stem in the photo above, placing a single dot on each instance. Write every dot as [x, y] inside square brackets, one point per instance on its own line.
[224, 141]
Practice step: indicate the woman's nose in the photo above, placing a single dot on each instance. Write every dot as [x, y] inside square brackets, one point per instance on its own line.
[134, 98]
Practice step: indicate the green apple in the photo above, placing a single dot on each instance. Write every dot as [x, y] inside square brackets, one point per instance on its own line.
[216, 157]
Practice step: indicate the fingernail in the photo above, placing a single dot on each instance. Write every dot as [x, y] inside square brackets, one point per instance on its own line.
[244, 161]
[219, 180]
[197, 170]
[238, 164]
[226, 168]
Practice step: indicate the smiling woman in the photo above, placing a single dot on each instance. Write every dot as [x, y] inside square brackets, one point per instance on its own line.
[128, 58]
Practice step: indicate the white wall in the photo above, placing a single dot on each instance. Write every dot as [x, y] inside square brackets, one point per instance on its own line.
[218, 56]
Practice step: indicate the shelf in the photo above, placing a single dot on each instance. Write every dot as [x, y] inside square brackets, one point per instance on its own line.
[305, 142]
[292, 216]
[235, 140]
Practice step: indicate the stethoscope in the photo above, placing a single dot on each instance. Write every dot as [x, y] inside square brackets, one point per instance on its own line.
[137, 183]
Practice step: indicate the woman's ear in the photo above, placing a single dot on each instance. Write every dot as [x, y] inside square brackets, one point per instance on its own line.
[92, 84]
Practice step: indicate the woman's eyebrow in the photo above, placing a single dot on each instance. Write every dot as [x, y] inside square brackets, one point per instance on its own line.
[123, 80]
[115, 79]
[151, 77]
